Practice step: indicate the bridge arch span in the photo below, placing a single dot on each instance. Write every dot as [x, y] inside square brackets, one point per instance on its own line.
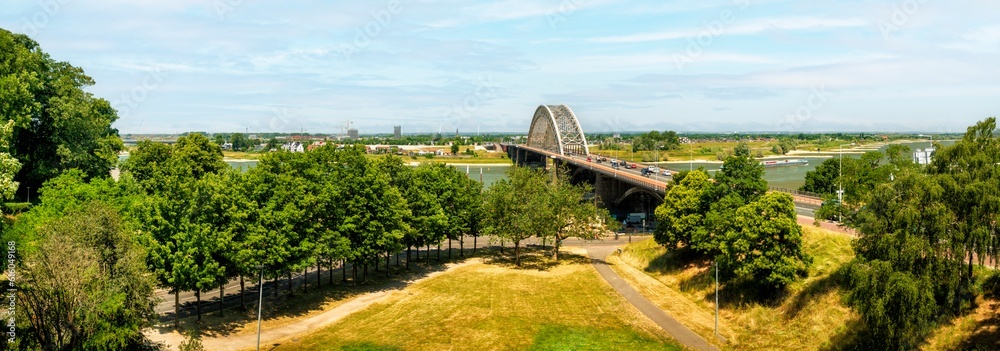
[639, 190]
[554, 128]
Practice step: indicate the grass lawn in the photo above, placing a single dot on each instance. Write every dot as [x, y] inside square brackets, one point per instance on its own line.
[240, 155]
[807, 318]
[495, 306]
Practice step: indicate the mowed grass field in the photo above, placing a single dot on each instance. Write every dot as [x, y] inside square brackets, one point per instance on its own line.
[811, 316]
[493, 305]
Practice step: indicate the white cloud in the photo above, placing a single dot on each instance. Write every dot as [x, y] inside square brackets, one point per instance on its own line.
[755, 26]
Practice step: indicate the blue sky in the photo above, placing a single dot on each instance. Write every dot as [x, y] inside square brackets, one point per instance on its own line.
[234, 65]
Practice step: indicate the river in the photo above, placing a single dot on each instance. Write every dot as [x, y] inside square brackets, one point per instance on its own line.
[790, 177]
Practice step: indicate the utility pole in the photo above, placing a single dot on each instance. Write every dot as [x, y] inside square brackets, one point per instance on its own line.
[260, 303]
[716, 265]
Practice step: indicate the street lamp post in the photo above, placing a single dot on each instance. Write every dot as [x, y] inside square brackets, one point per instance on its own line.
[716, 265]
[260, 303]
[840, 181]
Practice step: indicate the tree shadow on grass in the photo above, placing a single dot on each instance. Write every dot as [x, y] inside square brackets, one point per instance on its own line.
[851, 338]
[986, 335]
[675, 261]
[534, 258]
[815, 289]
[299, 304]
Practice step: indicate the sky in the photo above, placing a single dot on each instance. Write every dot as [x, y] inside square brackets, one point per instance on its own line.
[441, 65]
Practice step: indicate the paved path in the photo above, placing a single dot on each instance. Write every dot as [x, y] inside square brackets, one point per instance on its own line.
[683, 335]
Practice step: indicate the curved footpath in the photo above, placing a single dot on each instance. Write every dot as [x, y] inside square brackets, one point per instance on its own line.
[681, 333]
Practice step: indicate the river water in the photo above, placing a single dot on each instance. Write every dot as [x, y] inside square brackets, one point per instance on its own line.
[790, 177]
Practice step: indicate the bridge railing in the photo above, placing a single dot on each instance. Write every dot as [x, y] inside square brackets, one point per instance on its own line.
[806, 194]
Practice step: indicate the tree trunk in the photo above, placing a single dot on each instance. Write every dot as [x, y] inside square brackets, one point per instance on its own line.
[319, 270]
[222, 298]
[290, 292]
[305, 280]
[274, 286]
[388, 256]
[428, 255]
[475, 242]
[197, 296]
[439, 252]
[408, 248]
[177, 308]
[397, 259]
[331, 271]
[243, 294]
[544, 239]
[501, 247]
[364, 273]
[517, 253]
[354, 272]
[343, 270]
[555, 251]
[449, 249]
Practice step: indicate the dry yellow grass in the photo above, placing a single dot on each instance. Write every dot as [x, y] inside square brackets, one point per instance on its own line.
[494, 306]
[806, 319]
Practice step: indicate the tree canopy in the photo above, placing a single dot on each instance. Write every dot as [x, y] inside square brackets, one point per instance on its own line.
[57, 124]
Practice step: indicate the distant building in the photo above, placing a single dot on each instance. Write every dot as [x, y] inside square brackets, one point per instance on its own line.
[397, 132]
[293, 147]
[352, 133]
[923, 156]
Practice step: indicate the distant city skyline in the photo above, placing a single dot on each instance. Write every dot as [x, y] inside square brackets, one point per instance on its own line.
[430, 66]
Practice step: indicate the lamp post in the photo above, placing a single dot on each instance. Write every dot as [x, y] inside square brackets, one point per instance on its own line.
[260, 303]
[716, 266]
[840, 175]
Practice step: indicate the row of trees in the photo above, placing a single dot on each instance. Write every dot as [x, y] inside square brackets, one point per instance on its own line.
[209, 224]
[753, 235]
[655, 140]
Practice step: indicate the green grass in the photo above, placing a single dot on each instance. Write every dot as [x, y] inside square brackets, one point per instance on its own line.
[567, 338]
[808, 317]
[494, 306]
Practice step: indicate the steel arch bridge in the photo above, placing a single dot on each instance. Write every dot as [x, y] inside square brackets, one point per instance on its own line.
[556, 129]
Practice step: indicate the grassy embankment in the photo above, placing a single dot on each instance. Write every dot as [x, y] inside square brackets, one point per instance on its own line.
[709, 150]
[812, 316]
[806, 319]
[495, 306]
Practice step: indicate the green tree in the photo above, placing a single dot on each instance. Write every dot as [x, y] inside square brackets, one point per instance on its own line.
[682, 211]
[57, 124]
[87, 287]
[823, 180]
[764, 246]
[570, 214]
[515, 207]
[454, 149]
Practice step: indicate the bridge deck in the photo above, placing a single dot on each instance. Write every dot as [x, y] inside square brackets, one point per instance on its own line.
[624, 175]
